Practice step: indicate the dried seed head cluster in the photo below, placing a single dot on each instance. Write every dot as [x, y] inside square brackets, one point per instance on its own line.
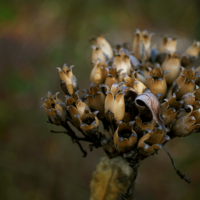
[143, 96]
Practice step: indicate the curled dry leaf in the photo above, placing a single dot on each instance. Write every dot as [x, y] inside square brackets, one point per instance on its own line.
[148, 105]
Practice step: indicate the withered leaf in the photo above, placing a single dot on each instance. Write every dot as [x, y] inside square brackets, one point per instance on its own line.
[149, 106]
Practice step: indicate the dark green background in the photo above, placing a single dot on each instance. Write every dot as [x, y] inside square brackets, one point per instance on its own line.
[37, 37]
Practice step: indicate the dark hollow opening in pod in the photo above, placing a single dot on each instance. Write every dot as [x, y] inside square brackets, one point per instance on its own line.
[125, 133]
[140, 103]
[88, 120]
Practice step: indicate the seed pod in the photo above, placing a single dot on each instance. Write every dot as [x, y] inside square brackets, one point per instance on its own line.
[83, 118]
[186, 122]
[191, 54]
[142, 44]
[144, 125]
[114, 102]
[151, 142]
[156, 82]
[97, 54]
[124, 137]
[122, 62]
[172, 65]
[183, 85]
[89, 123]
[138, 86]
[96, 100]
[194, 49]
[170, 109]
[189, 99]
[68, 80]
[105, 46]
[98, 73]
[55, 112]
[168, 44]
[71, 100]
[113, 76]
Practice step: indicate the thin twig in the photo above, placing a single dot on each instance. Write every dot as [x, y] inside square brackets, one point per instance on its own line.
[73, 136]
[81, 148]
[74, 139]
[183, 176]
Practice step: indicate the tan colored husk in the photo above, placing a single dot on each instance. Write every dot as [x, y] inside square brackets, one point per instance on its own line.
[68, 80]
[156, 82]
[168, 44]
[172, 65]
[96, 100]
[98, 73]
[104, 44]
[115, 102]
[142, 44]
[97, 54]
[122, 143]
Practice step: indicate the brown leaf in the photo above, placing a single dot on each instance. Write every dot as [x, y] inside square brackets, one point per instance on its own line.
[149, 107]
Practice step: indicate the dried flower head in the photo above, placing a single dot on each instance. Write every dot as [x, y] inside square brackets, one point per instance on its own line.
[143, 99]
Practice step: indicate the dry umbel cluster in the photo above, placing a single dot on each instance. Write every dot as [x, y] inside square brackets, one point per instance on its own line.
[143, 96]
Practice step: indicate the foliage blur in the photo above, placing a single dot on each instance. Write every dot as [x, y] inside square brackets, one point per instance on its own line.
[38, 36]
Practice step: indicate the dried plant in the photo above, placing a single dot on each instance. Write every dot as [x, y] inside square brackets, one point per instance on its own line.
[144, 99]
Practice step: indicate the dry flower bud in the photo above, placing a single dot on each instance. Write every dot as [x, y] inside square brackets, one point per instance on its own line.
[152, 141]
[137, 85]
[189, 99]
[172, 65]
[186, 123]
[122, 62]
[144, 125]
[89, 123]
[168, 44]
[183, 85]
[194, 49]
[139, 75]
[122, 48]
[98, 73]
[54, 111]
[97, 54]
[68, 80]
[142, 44]
[156, 82]
[170, 109]
[124, 137]
[168, 115]
[113, 76]
[191, 54]
[69, 100]
[96, 100]
[82, 117]
[115, 102]
[105, 46]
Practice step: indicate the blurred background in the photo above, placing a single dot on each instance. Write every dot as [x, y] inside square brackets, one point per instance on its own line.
[38, 36]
